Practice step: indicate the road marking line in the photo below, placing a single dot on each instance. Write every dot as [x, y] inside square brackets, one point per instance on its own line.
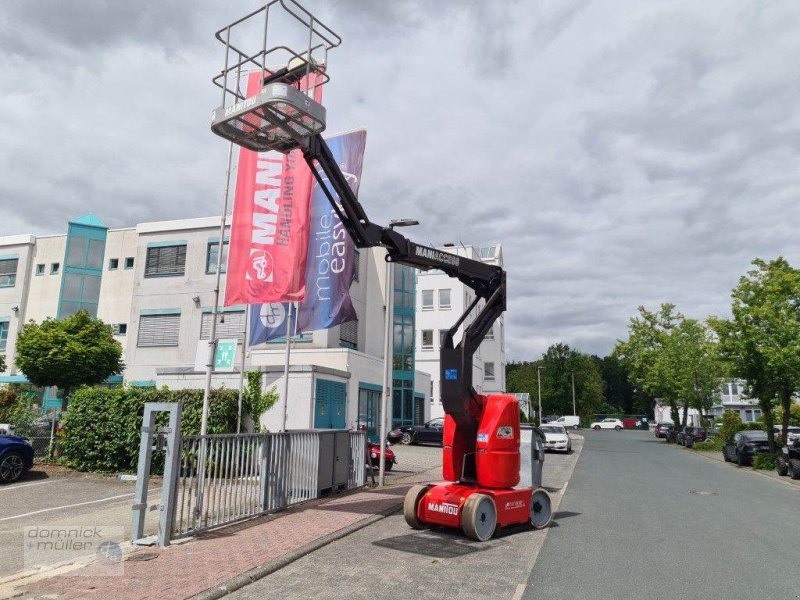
[24, 485]
[44, 510]
[520, 590]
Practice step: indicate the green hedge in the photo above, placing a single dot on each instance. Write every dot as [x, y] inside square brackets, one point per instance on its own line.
[714, 443]
[102, 426]
[765, 461]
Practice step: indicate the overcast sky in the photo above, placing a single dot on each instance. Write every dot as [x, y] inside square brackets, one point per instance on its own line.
[623, 152]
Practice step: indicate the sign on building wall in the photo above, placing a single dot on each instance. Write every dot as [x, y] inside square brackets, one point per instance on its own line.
[224, 358]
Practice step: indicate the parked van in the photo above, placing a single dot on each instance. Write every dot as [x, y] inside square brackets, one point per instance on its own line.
[568, 421]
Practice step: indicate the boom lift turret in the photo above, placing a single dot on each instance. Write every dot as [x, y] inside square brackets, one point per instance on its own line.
[481, 455]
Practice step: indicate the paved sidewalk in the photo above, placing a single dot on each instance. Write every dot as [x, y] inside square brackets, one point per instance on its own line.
[214, 558]
[771, 473]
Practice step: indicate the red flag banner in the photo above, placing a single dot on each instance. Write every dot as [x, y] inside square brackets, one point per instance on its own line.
[270, 229]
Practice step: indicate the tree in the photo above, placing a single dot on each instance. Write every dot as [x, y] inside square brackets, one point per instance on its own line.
[2, 362]
[761, 341]
[78, 350]
[559, 363]
[672, 358]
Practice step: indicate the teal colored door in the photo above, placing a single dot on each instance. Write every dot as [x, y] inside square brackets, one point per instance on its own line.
[330, 405]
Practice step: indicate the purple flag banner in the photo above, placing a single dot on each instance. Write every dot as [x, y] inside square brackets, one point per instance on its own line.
[331, 253]
[268, 321]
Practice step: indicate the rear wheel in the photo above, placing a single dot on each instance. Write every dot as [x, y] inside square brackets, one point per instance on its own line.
[740, 460]
[783, 468]
[574, 426]
[12, 466]
[388, 465]
[479, 517]
[407, 438]
[597, 427]
[617, 427]
[794, 468]
[413, 496]
[541, 509]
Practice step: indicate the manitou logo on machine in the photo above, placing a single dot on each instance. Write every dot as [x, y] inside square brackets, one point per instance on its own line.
[269, 179]
[515, 504]
[444, 508]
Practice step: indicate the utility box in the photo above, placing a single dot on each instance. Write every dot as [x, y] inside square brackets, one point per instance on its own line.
[334, 459]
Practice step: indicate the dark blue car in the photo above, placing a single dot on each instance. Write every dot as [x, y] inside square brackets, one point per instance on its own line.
[16, 457]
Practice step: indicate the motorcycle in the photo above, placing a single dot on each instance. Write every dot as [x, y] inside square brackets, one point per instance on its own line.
[374, 450]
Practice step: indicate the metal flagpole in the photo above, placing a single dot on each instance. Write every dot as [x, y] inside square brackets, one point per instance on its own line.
[241, 374]
[387, 369]
[286, 366]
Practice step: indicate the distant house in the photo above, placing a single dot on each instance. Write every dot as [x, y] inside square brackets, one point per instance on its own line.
[732, 396]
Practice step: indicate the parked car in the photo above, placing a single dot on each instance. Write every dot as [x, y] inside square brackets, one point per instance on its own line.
[700, 434]
[789, 459]
[568, 421]
[607, 424]
[683, 433]
[556, 438]
[793, 432]
[745, 445]
[374, 450]
[662, 429]
[549, 418]
[431, 432]
[6, 429]
[16, 457]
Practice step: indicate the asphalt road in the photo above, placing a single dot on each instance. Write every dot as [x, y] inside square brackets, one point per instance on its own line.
[54, 499]
[647, 519]
[389, 560]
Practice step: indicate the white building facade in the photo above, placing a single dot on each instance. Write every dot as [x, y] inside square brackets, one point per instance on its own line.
[154, 284]
[441, 300]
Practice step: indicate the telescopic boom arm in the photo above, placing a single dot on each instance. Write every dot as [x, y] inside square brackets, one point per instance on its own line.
[459, 399]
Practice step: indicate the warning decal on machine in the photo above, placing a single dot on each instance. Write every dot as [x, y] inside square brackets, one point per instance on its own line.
[483, 437]
[505, 432]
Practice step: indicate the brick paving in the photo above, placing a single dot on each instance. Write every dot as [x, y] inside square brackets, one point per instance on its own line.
[184, 570]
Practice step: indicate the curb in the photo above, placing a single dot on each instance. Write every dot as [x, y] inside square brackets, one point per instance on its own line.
[257, 573]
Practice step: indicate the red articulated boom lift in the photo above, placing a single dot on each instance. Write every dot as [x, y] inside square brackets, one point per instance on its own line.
[481, 456]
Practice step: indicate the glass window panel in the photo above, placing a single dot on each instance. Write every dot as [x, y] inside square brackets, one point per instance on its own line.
[129, 262]
[54, 267]
[97, 249]
[444, 298]
[427, 338]
[427, 299]
[211, 257]
[72, 286]
[69, 308]
[76, 252]
[40, 269]
[3, 335]
[91, 288]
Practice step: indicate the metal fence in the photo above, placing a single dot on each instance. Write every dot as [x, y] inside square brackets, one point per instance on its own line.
[250, 474]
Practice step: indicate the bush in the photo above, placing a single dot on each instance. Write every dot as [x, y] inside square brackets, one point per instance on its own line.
[102, 426]
[731, 423]
[765, 461]
[714, 443]
[753, 426]
[18, 409]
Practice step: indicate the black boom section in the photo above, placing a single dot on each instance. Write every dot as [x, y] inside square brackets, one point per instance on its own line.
[488, 281]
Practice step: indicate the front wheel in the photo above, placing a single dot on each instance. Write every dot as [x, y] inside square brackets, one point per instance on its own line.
[413, 497]
[783, 468]
[12, 466]
[388, 465]
[794, 468]
[597, 427]
[541, 509]
[617, 427]
[479, 517]
[407, 438]
[740, 460]
[574, 426]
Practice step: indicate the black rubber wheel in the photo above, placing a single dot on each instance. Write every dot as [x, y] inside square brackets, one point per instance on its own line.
[740, 460]
[782, 467]
[407, 438]
[597, 427]
[617, 428]
[794, 468]
[541, 509]
[413, 496]
[388, 465]
[12, 466]
[574, 426]
[479, 517]
[725, 456]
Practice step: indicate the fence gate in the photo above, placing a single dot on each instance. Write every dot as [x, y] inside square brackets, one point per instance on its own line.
[166, 438]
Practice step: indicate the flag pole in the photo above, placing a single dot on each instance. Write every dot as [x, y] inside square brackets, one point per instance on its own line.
[286, 365]
[241, 373]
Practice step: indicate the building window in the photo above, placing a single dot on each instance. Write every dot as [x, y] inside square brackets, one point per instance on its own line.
[444, 299]
[356, 264]
[113, 264]
[40, 269]
[348, 335]
[8, 272]
[159, 330]
[122, 329]
[229, 325]
[54, 267]
[427, 299]
[488, 371]
[490, 333]
[3, 335]
[427, 339]
[165, 260]
[211, 257]
[129, 262]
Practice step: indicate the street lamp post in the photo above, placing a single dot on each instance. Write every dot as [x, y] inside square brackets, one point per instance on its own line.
[539, 385]
[387, 350]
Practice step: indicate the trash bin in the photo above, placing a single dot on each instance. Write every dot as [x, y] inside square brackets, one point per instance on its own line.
[644, 425]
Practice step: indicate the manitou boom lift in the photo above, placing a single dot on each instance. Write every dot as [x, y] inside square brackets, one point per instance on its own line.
[481, 455]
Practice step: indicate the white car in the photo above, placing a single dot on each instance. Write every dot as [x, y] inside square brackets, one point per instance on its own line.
[556, 438]
[607, 424]
[568, 421]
